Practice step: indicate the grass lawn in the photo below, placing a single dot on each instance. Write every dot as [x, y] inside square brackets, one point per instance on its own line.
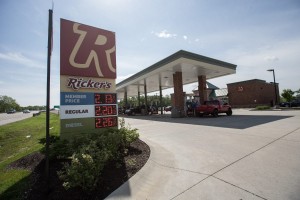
[19, 139]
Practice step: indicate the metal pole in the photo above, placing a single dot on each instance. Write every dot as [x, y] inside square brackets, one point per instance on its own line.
[145, 91]
[125, 98]
[275, 87]
[139, 98]
[48, 94]
[160, 100]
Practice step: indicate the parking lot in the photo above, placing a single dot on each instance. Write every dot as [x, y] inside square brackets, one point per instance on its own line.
[250, 155]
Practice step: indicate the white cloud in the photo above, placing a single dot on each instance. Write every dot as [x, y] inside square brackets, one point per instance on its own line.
[21, 59]
[271, 58]
[165, 34]
[185, 37]
[31, 94]
[253, 64]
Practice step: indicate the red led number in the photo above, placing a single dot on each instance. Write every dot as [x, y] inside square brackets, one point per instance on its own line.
[104, 98]
[98, 99]
[110, 98]
[104, 122]
[104, 110]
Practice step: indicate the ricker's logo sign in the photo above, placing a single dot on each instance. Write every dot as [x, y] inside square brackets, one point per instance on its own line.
[81, 83]
[87, 51]
[87, 73]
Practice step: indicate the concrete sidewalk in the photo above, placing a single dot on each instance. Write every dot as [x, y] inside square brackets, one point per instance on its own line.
[250, 155]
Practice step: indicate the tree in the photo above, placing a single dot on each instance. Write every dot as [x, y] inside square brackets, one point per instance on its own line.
[152, 100]
[288, 94]
[7, 103]
[297, 94]
[167, 100]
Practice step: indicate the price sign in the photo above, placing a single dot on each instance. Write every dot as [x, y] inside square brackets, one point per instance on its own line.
[88, 89]
[104, 110]
[105, 122]
[105, 98]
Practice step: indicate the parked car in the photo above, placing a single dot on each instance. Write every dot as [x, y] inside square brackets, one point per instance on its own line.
[295, 103]
[290, 104]
[11, 111]
[133, 111]
[284, 104]
[121, 110]
[213, 108]
[168, 108]
[26, 111]
[137, 110]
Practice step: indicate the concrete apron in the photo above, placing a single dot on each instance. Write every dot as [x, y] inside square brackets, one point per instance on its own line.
[257, 156]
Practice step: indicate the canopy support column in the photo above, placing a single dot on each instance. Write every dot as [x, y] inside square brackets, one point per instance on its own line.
[145, 90]
[202, 89]
[160, 100]
[125, 98]
[139, 98]
[178, 110]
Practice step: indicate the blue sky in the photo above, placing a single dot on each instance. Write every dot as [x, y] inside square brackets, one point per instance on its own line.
[255, 35]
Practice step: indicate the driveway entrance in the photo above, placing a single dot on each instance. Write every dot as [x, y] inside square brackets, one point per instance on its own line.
[250, 155]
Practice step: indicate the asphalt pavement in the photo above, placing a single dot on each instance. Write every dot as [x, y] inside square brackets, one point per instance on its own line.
[9, 118]
[250, 155]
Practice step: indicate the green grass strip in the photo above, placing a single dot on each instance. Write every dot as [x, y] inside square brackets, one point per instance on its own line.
[17, 140]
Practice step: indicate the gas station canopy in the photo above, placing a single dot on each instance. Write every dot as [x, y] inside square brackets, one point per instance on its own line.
[161, 73]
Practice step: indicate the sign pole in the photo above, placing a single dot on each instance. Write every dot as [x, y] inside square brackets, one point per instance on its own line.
[48, 94]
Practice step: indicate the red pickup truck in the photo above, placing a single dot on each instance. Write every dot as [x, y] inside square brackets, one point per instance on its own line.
[213, 108]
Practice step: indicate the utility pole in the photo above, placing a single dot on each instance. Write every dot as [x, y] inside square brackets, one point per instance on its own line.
[275, 88]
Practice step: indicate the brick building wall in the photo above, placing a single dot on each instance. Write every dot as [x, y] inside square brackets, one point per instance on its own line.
[252, 93]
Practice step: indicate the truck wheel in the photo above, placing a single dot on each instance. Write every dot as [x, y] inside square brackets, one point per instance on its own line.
[229, 112]
[215, 113]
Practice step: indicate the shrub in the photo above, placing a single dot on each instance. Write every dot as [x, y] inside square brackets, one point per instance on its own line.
[129, 135]
[81, 172]
[85, 168]
[60, 149]
[262, 108]
[90, 153]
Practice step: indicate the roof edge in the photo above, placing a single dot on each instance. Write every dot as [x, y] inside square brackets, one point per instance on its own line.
[173, 57]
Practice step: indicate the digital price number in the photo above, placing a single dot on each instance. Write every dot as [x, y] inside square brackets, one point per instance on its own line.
[104, 110]
[106, 122]
[105, 98]
[105, 107]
